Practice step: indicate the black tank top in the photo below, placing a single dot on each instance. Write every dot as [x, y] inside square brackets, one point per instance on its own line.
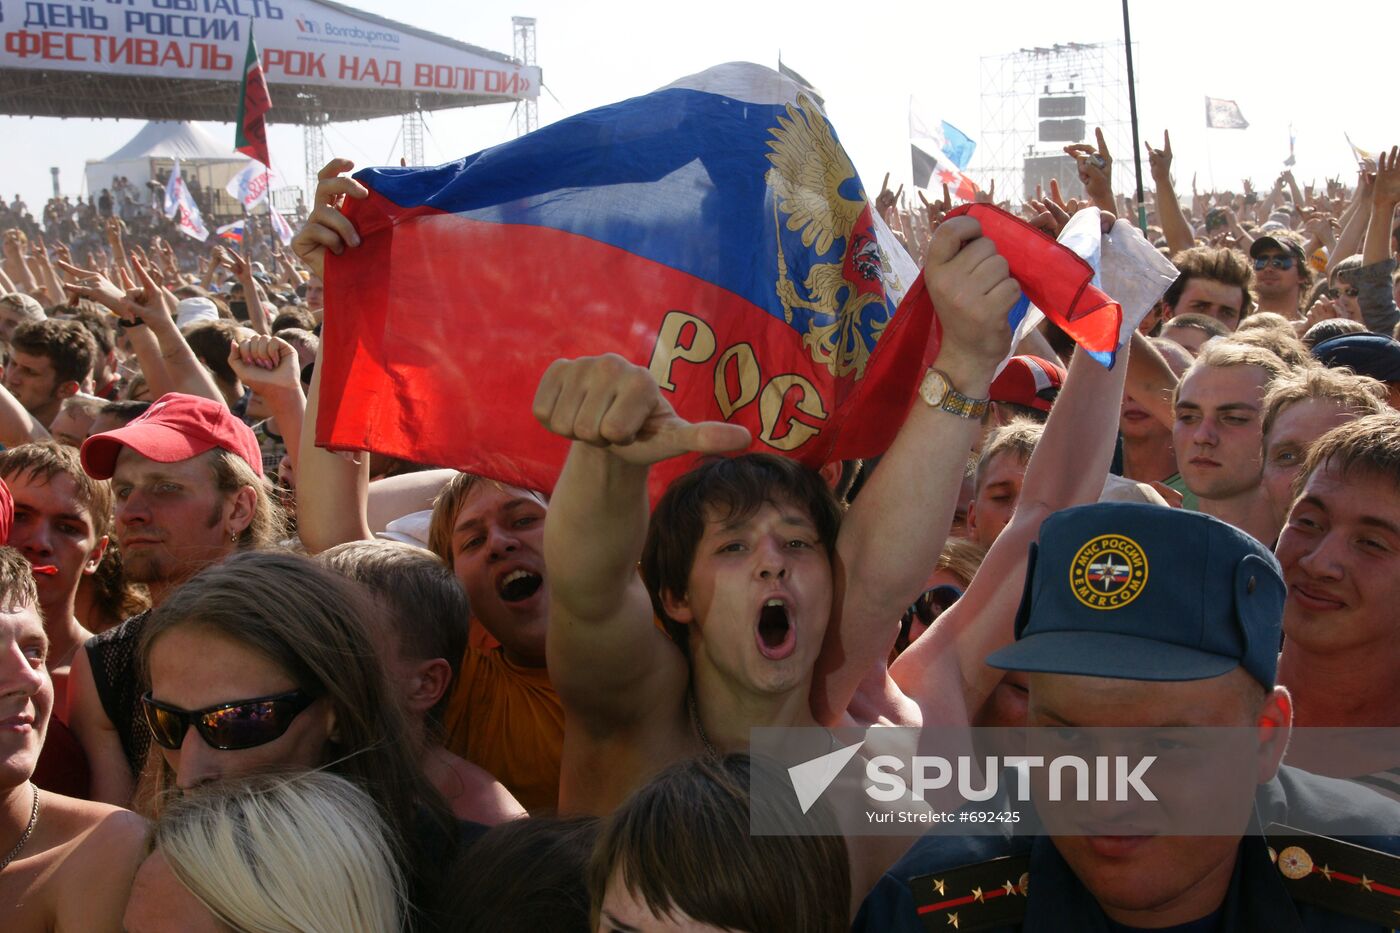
[112, 657]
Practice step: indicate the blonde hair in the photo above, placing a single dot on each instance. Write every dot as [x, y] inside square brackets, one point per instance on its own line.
[1358, 395]
[299, 853]
[1018, 436]
[1225, 354]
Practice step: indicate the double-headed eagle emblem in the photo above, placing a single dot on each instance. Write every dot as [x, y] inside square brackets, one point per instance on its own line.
[845, 297]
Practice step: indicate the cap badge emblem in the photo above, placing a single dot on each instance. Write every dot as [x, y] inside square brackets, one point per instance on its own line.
[1108, 572]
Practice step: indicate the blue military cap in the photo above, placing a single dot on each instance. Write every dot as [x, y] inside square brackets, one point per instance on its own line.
[1140, 592]
[1374, 355]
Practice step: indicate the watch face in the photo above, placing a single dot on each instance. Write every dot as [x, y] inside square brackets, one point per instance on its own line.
[935, 388]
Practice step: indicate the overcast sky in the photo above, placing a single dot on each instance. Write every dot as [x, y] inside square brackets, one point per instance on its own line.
[1325, 69]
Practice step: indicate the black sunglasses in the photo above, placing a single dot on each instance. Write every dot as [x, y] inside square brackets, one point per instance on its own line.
[227, 726]
[1278, 262]
[932, 603]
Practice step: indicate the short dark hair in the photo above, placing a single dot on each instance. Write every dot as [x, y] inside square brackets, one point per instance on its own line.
[293, 318]
[683, 843]
[67, 344]
[731, 489]
[1226, 266]
[522, 875]
[127, 410]
[41, 461]
[429, 608]
[211, 342]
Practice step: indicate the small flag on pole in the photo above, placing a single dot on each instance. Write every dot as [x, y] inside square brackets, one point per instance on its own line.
[251, 184]
[939, 152]
[279, 225]
[250, 133]
[179, 201]
[1363, 156]
[233, 232]
[1224, 114]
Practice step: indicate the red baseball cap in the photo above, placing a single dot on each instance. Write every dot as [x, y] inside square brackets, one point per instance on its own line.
[1029, 381]
[176, 427]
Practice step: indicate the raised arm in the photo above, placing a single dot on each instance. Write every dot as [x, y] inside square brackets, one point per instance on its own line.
[1378, 304]
[607, 659]
[1355, 219]
[1068, 468]
[1174, 225]
[891, 538]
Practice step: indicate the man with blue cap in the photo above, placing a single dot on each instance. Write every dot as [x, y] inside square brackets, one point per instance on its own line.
[1136, 616]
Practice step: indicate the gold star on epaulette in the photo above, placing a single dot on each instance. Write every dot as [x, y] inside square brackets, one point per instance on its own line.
[977, 895]
[1009, 888]
[953, 921]
[938, 886]
[1366, 882]
[1325, 872]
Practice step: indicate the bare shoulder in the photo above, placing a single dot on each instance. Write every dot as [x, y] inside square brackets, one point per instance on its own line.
[471, 791]
[78, 873]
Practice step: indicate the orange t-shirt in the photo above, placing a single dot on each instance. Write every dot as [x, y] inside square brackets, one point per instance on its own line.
[509, 721]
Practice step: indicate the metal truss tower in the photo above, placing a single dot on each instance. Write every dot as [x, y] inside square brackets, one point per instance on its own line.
[527, 113]
[313, 144]
[1015, 90]
[413, 135]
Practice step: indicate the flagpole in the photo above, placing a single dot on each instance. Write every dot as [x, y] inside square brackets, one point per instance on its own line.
[1132, 112]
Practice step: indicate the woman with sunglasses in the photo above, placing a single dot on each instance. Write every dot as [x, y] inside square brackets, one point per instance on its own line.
[266, 661]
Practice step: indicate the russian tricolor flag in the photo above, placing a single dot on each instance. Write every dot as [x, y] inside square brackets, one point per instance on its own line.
[713, 231]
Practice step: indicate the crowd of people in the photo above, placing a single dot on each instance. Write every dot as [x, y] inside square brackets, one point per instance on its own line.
[249, 683]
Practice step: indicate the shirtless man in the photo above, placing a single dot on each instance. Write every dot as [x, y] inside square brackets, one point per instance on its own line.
[69, 863]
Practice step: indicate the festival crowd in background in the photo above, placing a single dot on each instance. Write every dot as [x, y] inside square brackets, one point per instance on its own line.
[247, 683]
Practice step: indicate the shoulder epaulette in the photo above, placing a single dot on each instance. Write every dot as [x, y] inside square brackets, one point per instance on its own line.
[974, 897]
[1335, 875]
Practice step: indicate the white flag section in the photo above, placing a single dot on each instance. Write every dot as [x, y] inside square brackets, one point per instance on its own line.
[180, 206]
[251, 185]
[1126, 267]
[1224, 114]
[279, 225]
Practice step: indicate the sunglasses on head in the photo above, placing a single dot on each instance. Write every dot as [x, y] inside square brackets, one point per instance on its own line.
[227, 726]
[1278, 262]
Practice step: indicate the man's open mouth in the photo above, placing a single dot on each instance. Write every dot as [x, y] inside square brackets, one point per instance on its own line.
[776, 637]
[519, 586]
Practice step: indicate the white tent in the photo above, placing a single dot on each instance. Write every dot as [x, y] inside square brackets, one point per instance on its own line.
[156, 147]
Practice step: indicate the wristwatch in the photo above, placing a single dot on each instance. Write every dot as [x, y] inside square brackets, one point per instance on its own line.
[937, 390]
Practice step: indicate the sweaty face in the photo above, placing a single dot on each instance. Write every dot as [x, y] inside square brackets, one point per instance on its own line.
[996, 499]
[171, 518]
[1213, 299]
[193, 668]
[1340, 553]
[759, 598]
[32, 380]
[498, 555]
[1217, 433]
[161, 904]
[1150, 880]
[1293, 430]
[52, 528]
[26, 693]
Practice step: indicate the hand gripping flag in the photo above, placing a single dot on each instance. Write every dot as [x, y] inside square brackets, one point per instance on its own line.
[250, 130]
[713, 231]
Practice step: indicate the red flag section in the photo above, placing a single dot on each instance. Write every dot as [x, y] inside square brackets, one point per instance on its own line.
[250, 134]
